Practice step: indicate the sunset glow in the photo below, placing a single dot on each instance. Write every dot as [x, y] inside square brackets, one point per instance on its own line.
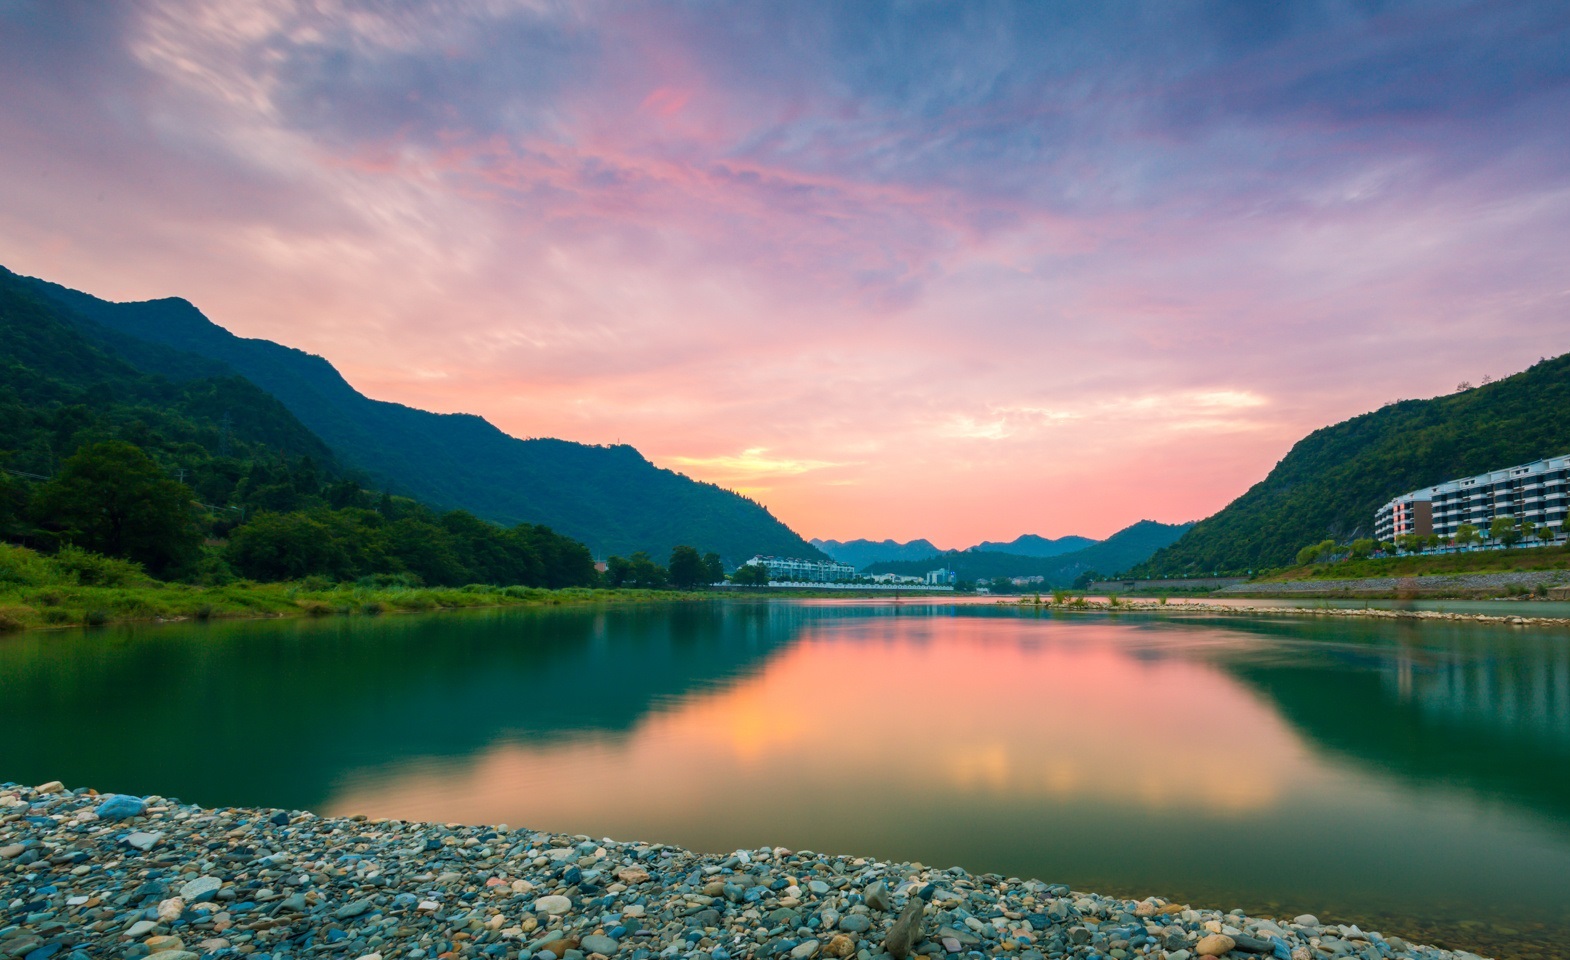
[953, 271]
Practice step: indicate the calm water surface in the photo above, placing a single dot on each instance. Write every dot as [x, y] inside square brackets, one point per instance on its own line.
[1415, 777]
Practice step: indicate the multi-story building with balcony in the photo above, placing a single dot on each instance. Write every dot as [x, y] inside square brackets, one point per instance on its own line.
[792, 570]
[1537, 492]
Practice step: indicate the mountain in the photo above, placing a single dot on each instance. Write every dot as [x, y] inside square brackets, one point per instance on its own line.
[860, 553]
[609, 497]
[1030, 545]
[1118, 552]
[1331, 482]
[64, 381]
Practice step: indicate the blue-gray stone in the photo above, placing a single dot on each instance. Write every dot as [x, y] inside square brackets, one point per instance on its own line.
[118, 806]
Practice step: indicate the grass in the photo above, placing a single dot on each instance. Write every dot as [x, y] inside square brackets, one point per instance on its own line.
[1483, 561]
[73, 589]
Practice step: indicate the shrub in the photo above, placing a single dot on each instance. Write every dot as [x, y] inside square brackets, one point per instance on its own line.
[26, 567]
[94, 570]
[96, 618]
[56, 615]
[316, 608]
[10, 622]
[374, 608]
[203, 612]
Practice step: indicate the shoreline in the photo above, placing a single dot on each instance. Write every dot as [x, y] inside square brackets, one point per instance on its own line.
[1371, 613]
[102, 876]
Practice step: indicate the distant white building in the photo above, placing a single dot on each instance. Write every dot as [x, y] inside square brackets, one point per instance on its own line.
[1535, 492]
[793, 570]
[895, 578]
[941, 576]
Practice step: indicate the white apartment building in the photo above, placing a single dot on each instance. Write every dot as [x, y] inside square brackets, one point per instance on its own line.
[1533, 492]
[792, 570]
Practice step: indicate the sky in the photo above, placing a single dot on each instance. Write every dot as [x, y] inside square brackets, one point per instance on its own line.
[924, 269]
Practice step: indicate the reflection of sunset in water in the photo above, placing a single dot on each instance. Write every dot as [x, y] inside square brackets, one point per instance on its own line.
[955, 707]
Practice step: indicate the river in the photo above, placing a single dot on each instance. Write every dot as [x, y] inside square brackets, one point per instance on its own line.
[1411, 777]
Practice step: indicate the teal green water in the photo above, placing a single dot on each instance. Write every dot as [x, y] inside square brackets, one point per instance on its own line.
[1413, 777]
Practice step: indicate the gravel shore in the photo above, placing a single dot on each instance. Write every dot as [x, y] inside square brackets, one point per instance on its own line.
[85, 877]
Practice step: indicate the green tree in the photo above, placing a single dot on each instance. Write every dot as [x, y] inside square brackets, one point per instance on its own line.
[1504, 530]
[287, 546]
[1467, 534]
[618, 572]
[111, 498]
[1361, 549]
[713, 568]
[686, 568]
[751, 575]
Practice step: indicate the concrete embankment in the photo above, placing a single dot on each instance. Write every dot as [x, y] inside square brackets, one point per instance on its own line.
[1434, 585]
[1525, 618]
[94, 877]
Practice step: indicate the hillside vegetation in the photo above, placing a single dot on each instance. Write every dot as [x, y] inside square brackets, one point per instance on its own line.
[609, 497]
[1331, 482]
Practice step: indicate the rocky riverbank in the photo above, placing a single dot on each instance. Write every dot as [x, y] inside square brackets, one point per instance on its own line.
[87, 877]
[1244, 610]
[1466, 585]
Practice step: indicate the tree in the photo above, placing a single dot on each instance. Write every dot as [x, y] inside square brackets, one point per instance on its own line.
[1361, 549]
[1467, 534]
[111, 498]
[751, 575]
[286, 546]
[637, 570]
[686, 568]
[1528, 530]
[1504, 530]
[713, 568]
[618, 572]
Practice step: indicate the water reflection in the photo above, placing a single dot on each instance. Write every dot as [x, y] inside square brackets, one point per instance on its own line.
[1345, 768]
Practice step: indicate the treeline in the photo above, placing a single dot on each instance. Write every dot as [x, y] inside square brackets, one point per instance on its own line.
[113, 499]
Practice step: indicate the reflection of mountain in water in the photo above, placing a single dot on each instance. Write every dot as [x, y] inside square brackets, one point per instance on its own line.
[303, 702]
[1481, 709]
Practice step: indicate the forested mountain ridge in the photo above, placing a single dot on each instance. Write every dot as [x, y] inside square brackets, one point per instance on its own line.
[1031, 545]
[1123, 549]
[1331, 482]
[59, 389]
[860, 553]
[609, 497]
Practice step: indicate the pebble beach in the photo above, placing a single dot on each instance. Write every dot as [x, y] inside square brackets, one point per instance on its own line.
[85, 876]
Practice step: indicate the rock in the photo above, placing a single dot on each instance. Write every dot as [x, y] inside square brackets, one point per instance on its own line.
[855, 923]
[952, 944]
[1178, 955]
[554, 905]
[876, 896]
[599, 943]
[803, 950]
[841, 946]
[1248, 944]
[170, 910]
[53, 786]
[140, 928]
[1306, 920]
[351, 910]
[906, 932]
[164, 944]
[142, 840]
[1215, 945]
[11, 851]
[201, 889]
[118, 806]
[818, 887]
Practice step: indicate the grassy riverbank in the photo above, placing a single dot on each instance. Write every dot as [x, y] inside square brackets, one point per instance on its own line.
[75, 588]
